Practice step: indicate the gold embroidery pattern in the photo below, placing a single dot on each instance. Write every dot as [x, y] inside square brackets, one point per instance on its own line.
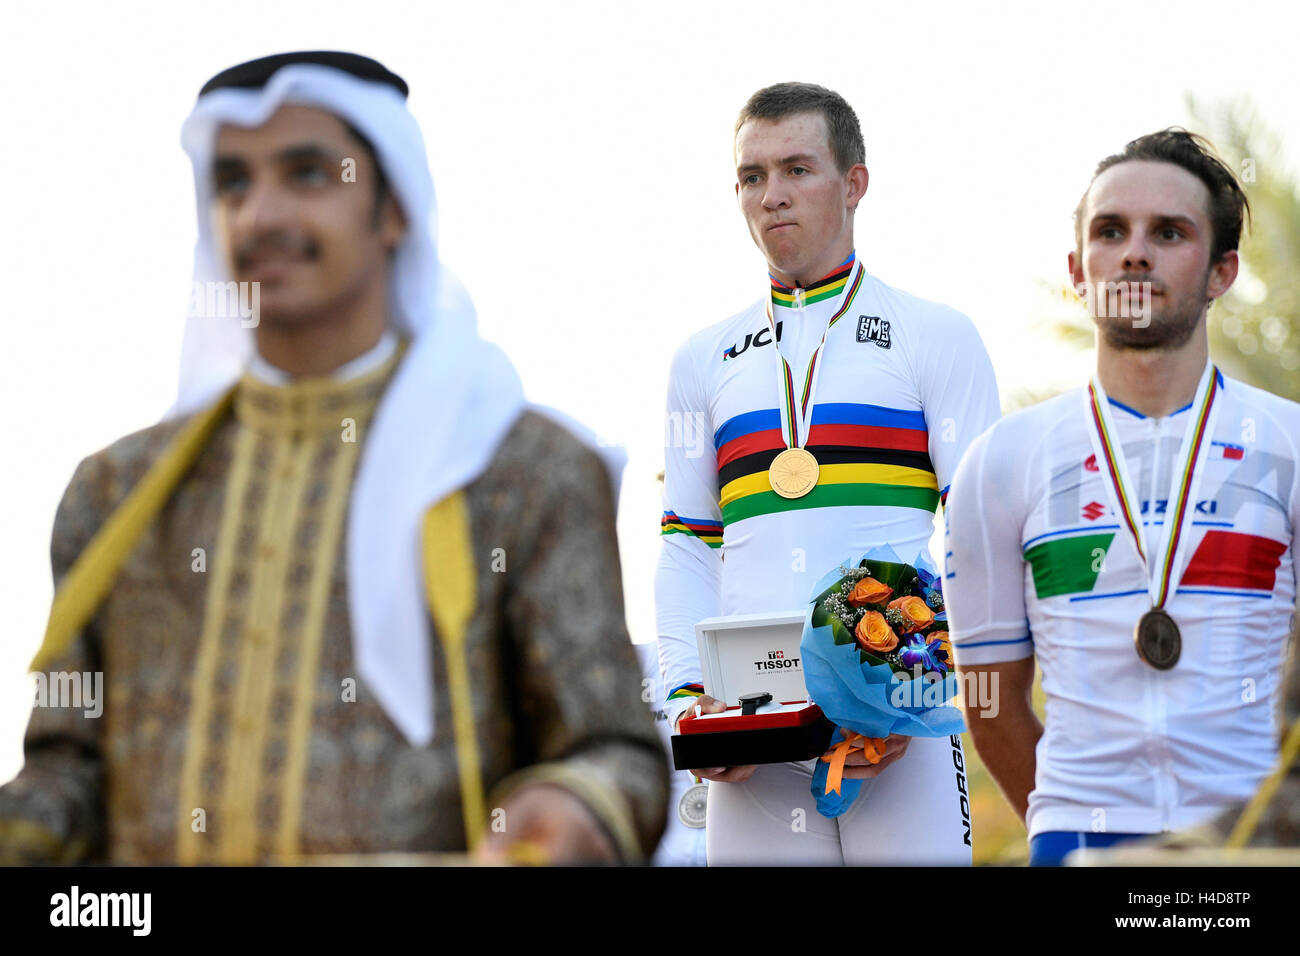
[255, 682]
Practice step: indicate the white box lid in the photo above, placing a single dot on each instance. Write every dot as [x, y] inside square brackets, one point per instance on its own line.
[748, 653]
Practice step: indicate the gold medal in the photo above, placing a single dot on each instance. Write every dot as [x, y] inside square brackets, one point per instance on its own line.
[1158, 640]
[793, 473]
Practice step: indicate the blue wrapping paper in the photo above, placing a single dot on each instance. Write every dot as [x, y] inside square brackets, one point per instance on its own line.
[864, 697]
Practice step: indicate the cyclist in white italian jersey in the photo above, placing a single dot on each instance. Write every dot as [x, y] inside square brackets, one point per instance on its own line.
[885, 391]
[1136, 537]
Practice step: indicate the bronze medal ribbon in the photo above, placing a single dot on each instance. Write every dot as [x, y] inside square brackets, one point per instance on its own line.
[1120, 485]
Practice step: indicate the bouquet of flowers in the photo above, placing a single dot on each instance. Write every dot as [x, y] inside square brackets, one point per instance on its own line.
[877, 661]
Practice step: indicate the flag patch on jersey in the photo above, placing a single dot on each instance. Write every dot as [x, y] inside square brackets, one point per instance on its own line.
[710, 532]
[1220, 450]
[1068, 565]
[866, 454]
[1230, 559]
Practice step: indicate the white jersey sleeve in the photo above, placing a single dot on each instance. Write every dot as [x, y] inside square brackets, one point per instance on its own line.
[688, 578]
[984, 574]
[1295, 528]
[1286, 421]
[958, 391]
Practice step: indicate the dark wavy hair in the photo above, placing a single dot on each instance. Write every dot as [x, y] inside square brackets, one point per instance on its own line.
[1229, 207]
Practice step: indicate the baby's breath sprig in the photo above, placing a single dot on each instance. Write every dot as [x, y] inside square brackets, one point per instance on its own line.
[838, 605]
[854, 575]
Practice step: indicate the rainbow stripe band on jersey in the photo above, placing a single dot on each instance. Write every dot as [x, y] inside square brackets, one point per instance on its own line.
[827, 287]
[686, 690]
[710, 532]
[868, 455]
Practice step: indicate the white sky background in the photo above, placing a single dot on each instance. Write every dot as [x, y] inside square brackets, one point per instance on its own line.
[582, 157]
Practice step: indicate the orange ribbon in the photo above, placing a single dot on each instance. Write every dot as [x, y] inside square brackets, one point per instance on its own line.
[872, 747]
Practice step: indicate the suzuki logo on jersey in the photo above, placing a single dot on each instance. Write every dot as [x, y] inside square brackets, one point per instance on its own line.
[755, 339]
[776, 660]
[1232, 486]
[1095, 509]
[872, 328]
[1207, 507]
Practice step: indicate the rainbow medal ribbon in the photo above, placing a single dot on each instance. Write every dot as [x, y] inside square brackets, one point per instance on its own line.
[1156, 637]
[793, 473]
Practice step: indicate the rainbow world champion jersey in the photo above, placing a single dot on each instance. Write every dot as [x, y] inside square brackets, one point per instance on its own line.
[1041, 565]
[904, 386]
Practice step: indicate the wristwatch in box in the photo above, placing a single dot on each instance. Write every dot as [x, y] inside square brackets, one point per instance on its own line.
[757, 731]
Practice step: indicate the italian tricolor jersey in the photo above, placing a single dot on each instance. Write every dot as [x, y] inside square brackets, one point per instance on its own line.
[1040, 564]
[904, 386]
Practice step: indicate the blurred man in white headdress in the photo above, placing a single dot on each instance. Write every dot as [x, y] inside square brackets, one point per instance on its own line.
[277, 596]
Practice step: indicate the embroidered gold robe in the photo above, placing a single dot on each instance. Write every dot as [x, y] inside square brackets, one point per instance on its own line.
[236, 728]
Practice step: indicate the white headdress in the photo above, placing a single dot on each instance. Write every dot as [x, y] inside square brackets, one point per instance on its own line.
[418, 449]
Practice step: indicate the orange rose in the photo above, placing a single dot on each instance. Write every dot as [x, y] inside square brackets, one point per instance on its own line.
[874, 634]
[869, 591]
[916, 613]
[944, 645]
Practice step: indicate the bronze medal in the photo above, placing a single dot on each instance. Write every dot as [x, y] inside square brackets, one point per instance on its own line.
[1158, 639]
[793, 473]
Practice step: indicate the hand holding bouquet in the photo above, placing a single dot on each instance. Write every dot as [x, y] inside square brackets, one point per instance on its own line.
[877, 660]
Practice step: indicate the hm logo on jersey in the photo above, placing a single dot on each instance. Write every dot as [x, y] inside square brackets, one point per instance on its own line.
[872, 328]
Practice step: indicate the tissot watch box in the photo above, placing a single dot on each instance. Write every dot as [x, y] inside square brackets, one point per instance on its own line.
[751, 662]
